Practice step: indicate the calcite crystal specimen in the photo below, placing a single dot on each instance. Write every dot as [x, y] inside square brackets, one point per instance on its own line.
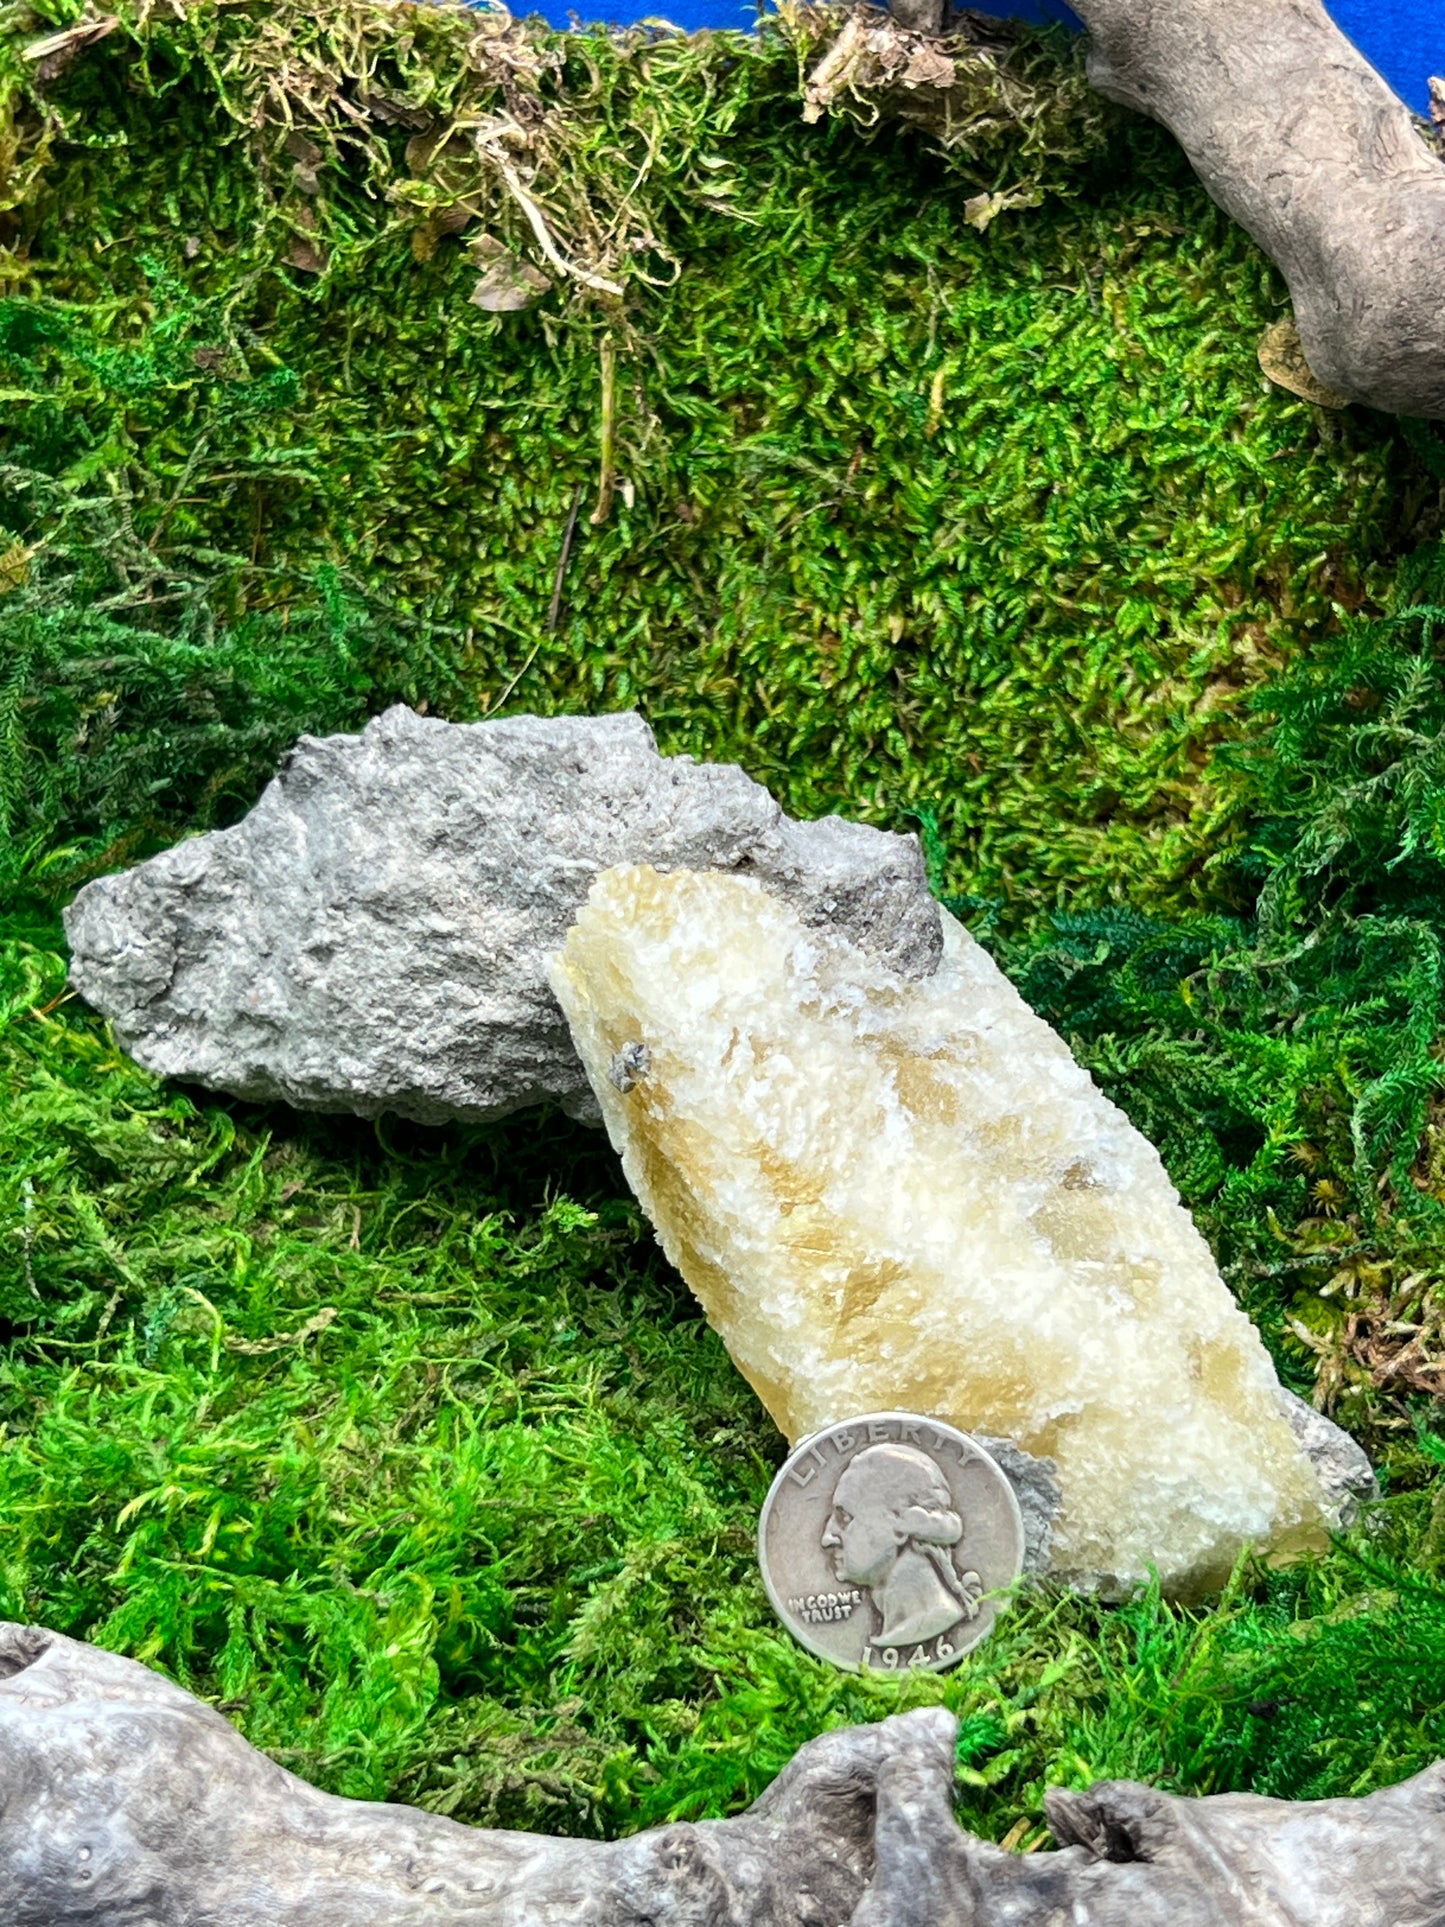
[374, 935]
[892, 1194]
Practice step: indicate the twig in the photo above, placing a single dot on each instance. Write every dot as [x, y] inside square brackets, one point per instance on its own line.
[545, 242]
[71, 39]
[609, 434]
[554, 608]
[192, 463]
[519, 675]
[27, 1233]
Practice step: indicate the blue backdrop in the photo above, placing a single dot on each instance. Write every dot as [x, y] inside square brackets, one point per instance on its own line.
[1404, 38]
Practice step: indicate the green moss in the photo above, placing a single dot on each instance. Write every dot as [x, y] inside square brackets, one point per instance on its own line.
[405, 1447]
[1000, 523]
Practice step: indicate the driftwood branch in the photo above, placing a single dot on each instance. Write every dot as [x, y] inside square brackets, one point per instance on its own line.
[125, 1802]
[1300, 140]
[1296, 136]
[1131, 1857]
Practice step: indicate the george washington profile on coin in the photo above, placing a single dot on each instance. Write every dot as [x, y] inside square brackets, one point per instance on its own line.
[890, 1530]
[890, 1542]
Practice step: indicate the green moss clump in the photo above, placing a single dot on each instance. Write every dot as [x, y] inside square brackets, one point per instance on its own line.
[1004, 523]
[404, 1447]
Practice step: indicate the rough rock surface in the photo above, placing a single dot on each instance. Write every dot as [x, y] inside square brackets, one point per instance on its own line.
[1340, 1463]
[124, 1802]
[373, 936]
[1036, 1487]
[893, 1195]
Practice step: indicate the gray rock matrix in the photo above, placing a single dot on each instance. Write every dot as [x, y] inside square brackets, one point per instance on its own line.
[373, 935]
[1036, 1487]
[1344, 1470]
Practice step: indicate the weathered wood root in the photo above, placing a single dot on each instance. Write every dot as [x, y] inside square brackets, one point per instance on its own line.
[125, 1802]
[1300, 140]
[1131, 1857]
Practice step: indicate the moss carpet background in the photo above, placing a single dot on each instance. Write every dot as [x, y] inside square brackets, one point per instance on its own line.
[405, 1447]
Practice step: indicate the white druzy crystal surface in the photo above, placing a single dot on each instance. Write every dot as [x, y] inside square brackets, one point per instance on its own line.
[894, 1195]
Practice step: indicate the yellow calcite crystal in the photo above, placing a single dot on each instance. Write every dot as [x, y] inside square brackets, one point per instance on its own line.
[894, 1195]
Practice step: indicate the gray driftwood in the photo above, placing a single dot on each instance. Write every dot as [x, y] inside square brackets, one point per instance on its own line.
[125, 1802]
[373, 935]
[1131, 1857]
[1294, 134]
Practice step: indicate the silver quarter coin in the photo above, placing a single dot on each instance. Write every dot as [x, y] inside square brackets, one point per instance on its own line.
[890, 1543]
